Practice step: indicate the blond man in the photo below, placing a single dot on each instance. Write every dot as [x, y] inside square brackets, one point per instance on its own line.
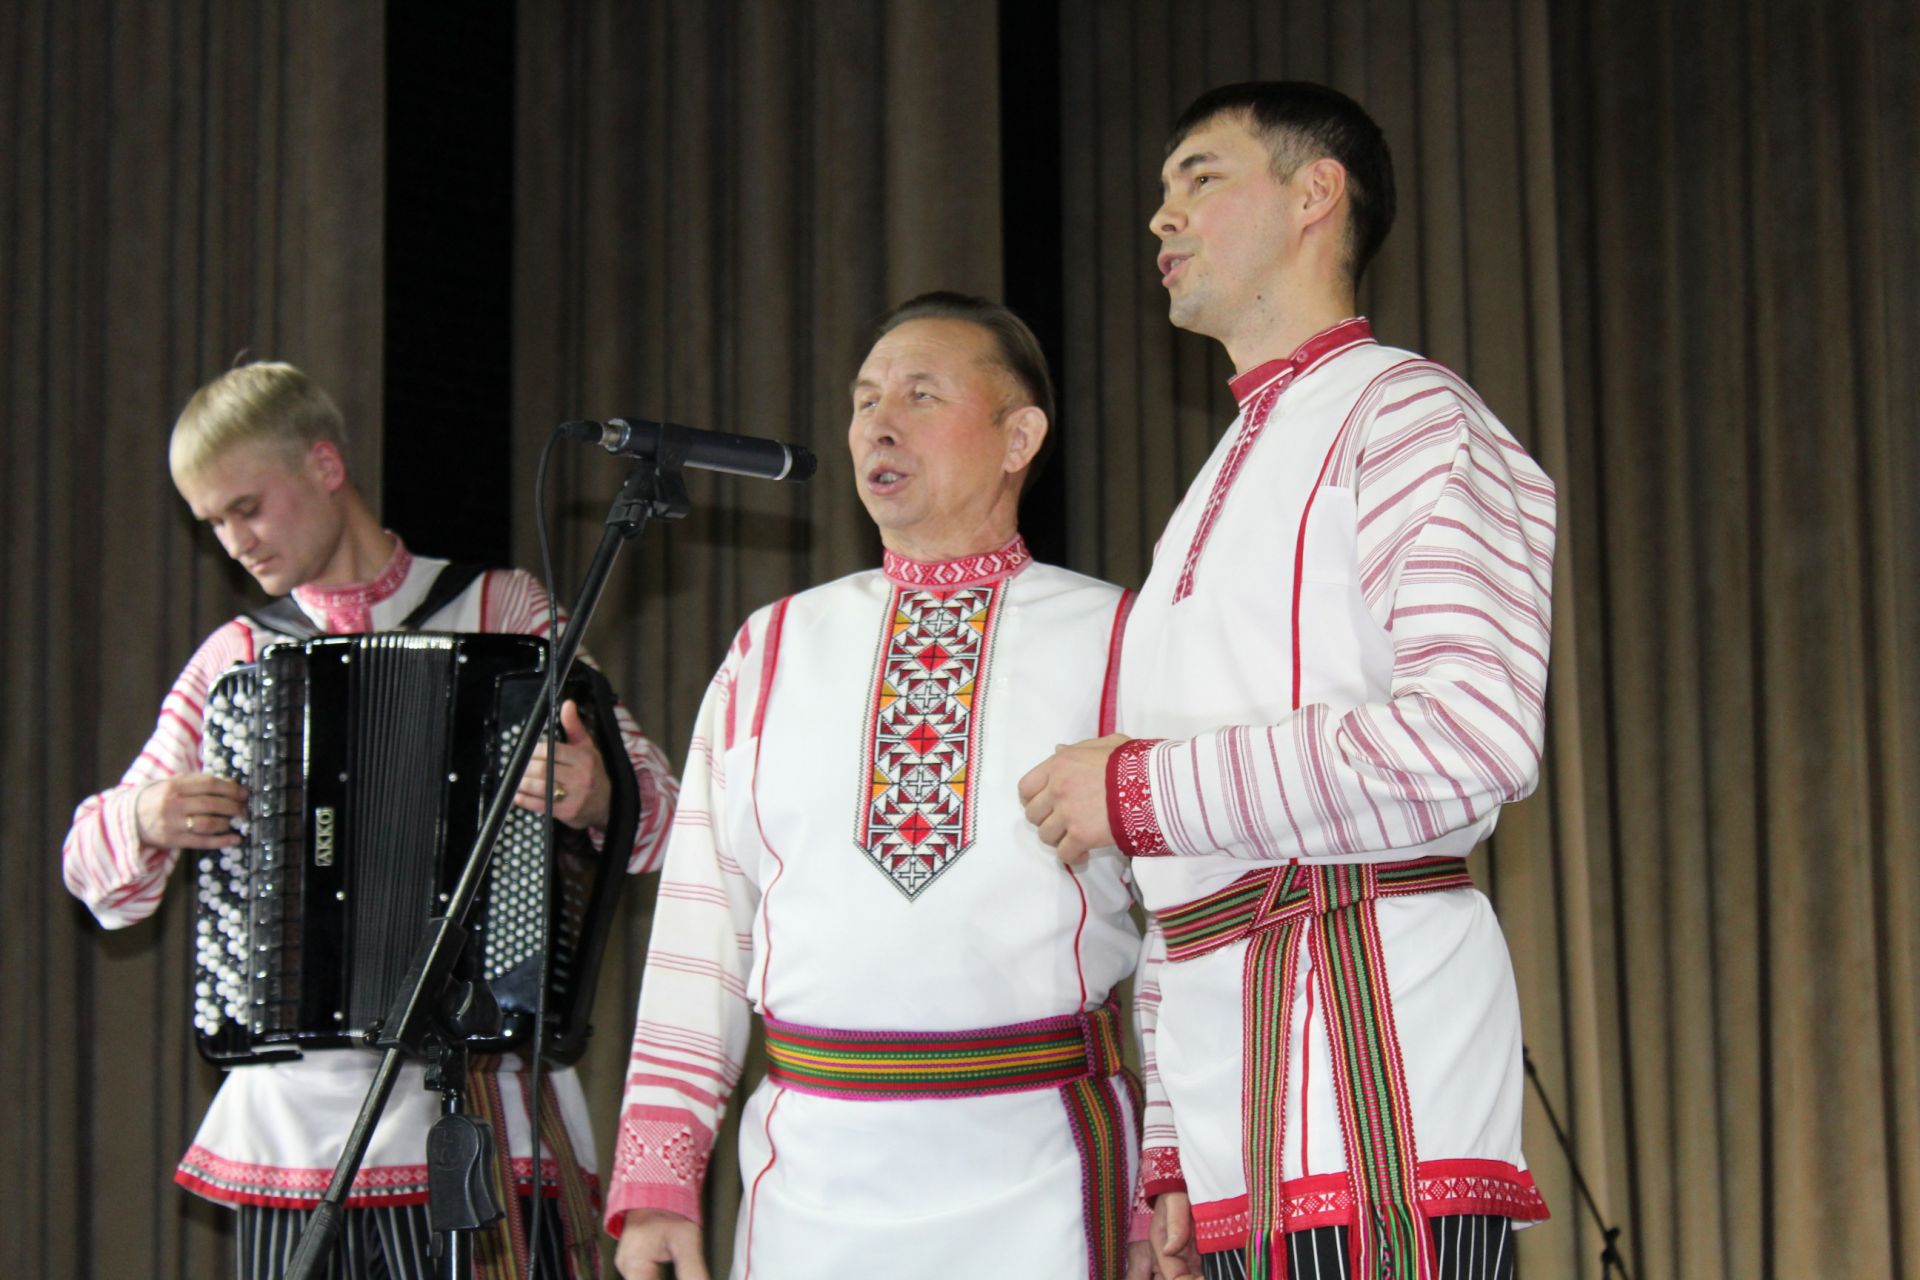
[260, 456]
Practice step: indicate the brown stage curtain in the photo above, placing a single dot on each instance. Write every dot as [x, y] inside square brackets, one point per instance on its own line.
[1674, 249]
[181, 182]
[1738, 221]
[715, 202]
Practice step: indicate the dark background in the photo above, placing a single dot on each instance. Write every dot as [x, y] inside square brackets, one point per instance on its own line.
[1673, 247]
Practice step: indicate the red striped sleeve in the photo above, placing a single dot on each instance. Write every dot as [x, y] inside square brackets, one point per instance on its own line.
[1159, 1141]
[690, 1035]
[102, 860]
[1455, 559]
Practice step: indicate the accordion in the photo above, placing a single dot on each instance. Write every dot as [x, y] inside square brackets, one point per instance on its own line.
[370, 761]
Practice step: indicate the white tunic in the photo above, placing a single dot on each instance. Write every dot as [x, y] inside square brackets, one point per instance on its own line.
[794, 886]
[1342, 645]
[274, 1130]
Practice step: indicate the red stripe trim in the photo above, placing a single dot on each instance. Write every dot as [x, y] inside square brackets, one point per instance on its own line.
[1110, 692]
[768, 666]
[1300, 555]
[1079, 962]
[753, 1196]
[168, 713]
[775, 624]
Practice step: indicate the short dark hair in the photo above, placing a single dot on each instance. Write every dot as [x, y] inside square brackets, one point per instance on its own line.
[1300, 122]
[1015, 349]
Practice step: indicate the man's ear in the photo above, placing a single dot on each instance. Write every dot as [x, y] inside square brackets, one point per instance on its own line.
[323, 457]
[1322, 185]
[1026, 432]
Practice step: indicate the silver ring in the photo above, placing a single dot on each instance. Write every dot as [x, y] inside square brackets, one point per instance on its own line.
[189, 824]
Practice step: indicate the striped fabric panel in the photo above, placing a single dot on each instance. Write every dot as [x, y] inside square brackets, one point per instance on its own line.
[1468, 1247]
[1331, 908]
[1099, 1125]
[692, 1027]
[1455, 529]
[578, 1218]
[567, 1225]
[878, 1064]
[1376, 1115]
[395, 1241]
[500, 1250]
[1263, 899]
[103, 862]
[1271, 961]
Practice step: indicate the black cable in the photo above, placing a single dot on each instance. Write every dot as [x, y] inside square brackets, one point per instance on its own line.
[552, 698]
[1610, 1259]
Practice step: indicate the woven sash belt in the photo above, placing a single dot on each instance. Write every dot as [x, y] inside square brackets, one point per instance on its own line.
[1077, 1055]
[502, 1250]
[1330, 909]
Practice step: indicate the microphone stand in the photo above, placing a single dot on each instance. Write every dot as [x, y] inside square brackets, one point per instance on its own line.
[420, 1023]
[1610, 1259]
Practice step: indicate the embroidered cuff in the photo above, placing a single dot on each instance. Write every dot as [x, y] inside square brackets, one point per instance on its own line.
[659, 1162]
[1136, 830]
[1160, 1171]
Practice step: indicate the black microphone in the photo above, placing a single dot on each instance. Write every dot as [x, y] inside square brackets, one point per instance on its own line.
[670, 443]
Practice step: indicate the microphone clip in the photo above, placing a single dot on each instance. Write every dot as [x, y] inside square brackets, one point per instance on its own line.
[656, 488]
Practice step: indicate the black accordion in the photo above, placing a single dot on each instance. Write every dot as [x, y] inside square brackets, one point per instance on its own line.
[370, 761]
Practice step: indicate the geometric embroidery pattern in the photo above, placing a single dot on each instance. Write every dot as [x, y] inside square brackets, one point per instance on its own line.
[1312, 352]
[923, 741]
[1253, 423]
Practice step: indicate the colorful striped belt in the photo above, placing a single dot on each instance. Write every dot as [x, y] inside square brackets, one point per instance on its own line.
[1276, 895]
[1078, 1056]
[945, 1064]
[1328, 911]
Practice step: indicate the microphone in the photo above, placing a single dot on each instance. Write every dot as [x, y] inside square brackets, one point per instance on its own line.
[669, 443]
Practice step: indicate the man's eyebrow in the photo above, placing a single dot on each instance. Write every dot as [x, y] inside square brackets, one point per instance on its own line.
[923, 376]
[1189, 163]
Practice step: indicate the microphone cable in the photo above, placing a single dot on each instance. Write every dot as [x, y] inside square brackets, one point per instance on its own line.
[551, 696]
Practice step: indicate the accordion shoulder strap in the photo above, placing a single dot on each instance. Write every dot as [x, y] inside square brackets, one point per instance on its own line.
[453, 579]
[284, 617]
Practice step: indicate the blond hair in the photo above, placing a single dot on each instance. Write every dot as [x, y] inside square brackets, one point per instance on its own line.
[267, 402]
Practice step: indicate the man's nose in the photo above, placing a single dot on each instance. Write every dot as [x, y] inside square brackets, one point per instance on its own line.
[880, 426]
[1167, 219]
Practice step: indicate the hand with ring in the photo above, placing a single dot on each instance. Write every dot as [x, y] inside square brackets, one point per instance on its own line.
[581, 791]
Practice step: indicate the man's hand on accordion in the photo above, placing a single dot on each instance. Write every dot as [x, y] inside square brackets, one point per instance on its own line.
[189, 811]
[581, 792]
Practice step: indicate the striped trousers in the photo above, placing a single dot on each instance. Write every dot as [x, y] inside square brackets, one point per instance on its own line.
[1466, 1246]
[391, 1242]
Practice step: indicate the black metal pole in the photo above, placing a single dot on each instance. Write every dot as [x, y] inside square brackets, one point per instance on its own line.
[650, 490]
[1610, 1259]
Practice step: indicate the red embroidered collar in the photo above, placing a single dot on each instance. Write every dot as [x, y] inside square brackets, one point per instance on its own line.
[356, 601]
[1315, 351]
[990, 566]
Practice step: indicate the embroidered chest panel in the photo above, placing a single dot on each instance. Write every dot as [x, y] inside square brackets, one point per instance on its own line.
[923, 731]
